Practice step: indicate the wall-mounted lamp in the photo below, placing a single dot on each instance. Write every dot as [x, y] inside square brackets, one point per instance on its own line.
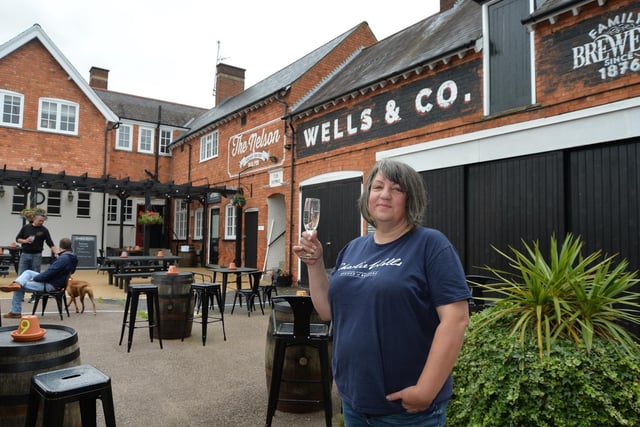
[1, 191]
[273, 159]
[70, 196]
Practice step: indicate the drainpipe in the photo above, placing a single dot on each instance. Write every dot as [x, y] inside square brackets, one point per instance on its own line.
[288, 121]
[107, 128]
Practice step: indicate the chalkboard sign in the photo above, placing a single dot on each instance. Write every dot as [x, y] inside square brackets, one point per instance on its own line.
[84, 246]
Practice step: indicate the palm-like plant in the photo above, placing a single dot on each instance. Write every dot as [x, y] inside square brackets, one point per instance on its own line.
[570, 296]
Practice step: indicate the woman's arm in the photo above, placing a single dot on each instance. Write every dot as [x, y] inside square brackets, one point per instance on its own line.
[445, 348]
[309, 250]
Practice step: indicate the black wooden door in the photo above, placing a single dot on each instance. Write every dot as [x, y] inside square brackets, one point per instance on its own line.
[445, 204]
[214, 236]
[340, 220]
[251, 239]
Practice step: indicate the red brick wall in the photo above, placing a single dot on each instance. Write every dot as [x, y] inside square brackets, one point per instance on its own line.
[33, 72]
[217, 171]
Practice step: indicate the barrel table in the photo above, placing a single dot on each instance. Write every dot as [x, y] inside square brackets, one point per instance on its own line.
[175, 303]
[19, 361]
[301, 363]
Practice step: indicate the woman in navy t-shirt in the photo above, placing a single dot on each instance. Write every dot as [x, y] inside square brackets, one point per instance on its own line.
[398, 302]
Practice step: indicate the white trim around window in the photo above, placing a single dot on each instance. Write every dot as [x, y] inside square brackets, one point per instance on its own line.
[124, 137]
[198, 218]
[12, 108]
[166, 138]
[229, 222]
[145, 140]
[58, 115]
[209, 146]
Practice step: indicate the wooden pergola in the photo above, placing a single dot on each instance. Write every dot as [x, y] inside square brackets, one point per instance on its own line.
[30, 181]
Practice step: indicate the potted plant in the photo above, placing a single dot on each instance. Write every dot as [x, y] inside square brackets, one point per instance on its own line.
[149, 218]
[551, 351]
[238, 200]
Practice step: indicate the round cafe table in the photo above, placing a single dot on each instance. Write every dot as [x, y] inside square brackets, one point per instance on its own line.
[19, 361]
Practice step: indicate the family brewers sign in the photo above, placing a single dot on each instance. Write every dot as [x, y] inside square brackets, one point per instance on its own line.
[613, 49]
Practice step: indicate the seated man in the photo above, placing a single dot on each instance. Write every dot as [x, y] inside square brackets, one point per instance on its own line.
[54, 278]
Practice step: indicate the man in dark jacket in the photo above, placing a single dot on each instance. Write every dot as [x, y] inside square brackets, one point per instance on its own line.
[54, 278]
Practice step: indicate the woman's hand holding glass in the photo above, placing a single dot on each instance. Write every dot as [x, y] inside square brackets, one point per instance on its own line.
[309, 248]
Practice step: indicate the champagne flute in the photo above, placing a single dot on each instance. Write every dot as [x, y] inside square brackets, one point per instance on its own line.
[311, 214]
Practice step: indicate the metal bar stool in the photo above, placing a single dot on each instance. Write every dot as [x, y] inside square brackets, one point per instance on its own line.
[131, 310]
[84, 384]
[299, 332]
[250, 294]
[204, 295]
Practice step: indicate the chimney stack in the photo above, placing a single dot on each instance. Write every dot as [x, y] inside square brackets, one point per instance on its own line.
[229, 82]
[98, 78]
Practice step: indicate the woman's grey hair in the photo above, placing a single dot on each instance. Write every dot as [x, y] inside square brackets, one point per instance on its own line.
[409, 181]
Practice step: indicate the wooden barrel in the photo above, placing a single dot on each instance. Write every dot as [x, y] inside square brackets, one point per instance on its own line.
[175, 303]
[19, 361]
[301, 363]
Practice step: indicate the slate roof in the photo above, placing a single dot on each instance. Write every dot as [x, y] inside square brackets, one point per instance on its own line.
[131, 107]
[267, 87]
[431, 39]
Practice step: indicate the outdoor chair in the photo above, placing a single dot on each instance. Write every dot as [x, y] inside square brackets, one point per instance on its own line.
[299, 332]
[59, 295]
[205, 294]
[83, 384]
[131, 312]
[268, 290]
[250, 294]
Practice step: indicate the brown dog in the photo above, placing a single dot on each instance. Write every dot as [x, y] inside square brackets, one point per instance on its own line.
[80, 288]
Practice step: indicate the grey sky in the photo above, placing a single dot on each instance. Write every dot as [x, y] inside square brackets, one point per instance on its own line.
[167, 49]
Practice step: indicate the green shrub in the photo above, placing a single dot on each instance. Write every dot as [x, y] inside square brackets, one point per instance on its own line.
[552, 351]
[499, 382]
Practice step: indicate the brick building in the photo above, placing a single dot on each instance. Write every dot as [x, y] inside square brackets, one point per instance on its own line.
[55, 123]
[520, 120]
[519, 117]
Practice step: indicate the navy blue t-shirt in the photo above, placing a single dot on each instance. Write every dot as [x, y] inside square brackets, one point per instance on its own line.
[383, 305]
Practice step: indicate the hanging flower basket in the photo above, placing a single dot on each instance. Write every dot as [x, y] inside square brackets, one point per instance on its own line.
[149, 218]
[238, 200]
[30, 213]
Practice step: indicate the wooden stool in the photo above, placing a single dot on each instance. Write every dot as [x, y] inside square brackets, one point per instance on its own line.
[83, 384]
[131, 310]
[204, 295]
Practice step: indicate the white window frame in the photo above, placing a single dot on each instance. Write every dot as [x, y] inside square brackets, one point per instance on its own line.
[7, 109]
[209, 146]
[166, 138]
[180, 219]
[128, 213]
[145, 139]
[229, 222]
[62, 109]
[198, 217]
[124, 142]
